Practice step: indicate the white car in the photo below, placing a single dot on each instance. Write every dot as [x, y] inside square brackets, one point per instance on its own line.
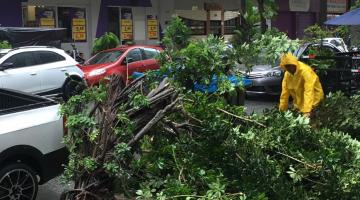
[39, 70]
[31, 148]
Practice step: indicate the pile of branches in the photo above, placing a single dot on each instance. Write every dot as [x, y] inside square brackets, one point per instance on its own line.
[105, 125]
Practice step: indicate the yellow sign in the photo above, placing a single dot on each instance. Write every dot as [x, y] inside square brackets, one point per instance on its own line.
[126, 29]
[152, 22]
[152, 28]
[79, 36]
[127, 36]
[78, 22]
[79, 29]
[47, 22]
[126, 22]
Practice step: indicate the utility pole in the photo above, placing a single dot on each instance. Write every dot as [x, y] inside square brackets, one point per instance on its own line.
[323, 12]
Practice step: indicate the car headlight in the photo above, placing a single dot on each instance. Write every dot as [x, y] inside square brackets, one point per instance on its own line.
[97, 72]
[273, 74]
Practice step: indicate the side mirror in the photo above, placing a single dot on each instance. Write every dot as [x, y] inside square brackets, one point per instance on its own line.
[128, 60]
[6, 66]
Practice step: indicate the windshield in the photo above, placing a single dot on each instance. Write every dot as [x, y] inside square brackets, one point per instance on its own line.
[105, 57]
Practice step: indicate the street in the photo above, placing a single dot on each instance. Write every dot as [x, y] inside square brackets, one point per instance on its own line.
[253, 104]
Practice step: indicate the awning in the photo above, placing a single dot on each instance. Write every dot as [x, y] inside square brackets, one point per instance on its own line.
[132, 3]
[103, 15]
[349, 18]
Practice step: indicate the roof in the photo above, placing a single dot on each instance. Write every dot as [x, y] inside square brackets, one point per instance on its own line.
[126, 47]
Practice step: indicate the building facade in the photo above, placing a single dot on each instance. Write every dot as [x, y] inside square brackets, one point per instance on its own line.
[143, 21]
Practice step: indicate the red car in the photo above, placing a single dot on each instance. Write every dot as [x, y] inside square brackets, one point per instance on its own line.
[124, 61]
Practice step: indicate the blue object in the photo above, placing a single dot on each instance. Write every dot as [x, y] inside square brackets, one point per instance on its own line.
[212, 87]
[349, 18]
[136, 75]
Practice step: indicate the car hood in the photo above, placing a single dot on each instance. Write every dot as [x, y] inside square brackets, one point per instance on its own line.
[262, 69]
[89, 68]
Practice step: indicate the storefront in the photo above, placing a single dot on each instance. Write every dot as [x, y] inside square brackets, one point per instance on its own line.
[336, 8]
[132, 20]
[294, 16]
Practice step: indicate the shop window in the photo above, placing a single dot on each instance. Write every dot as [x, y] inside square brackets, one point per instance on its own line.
[127, 33]
[215, 28]
[197, 27]
[74, 20]
[231, 25]
[39, 16]
[114, 20]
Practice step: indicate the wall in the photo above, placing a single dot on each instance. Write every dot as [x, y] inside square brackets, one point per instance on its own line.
[294, 23]
[10, 13]
[92, 10]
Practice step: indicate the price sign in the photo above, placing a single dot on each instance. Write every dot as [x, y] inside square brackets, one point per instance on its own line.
[152, 28]
[78, 29]
[47, 22]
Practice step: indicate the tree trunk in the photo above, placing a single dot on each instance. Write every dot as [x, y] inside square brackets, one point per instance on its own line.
[261, 12]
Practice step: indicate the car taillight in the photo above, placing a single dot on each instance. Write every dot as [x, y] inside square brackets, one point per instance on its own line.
[312, 56]
[65, 129]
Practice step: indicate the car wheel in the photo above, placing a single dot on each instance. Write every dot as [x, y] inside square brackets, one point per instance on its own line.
[18, 181]
[71, 87]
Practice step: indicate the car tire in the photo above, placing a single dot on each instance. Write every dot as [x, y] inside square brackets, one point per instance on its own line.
[18, 181]
[72, 86]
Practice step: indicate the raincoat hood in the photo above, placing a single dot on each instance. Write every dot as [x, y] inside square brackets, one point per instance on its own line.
[288, 59]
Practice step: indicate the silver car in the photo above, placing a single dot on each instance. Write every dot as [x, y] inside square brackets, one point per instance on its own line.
[265, 80]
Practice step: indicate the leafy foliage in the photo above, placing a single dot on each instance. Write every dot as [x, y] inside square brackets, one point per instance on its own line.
[177, 34]
[200, 61]
[106, 41]
[5, 45]
[321, 64]
[355, 4]
[249, 28]
[204, 148]
[266, 50]
[229, 158]
[316, 33]
[339, 113]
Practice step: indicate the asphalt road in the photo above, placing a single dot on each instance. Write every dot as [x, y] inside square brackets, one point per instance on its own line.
[253, 104]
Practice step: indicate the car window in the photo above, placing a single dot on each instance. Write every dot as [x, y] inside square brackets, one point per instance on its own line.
[44, 57]
[24, 59]
[2, 54]
[135, 55]
[316, 48]
[150, 53]
[105, 57]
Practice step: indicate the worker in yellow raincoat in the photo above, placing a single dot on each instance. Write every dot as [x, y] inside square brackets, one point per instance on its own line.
[301, 83]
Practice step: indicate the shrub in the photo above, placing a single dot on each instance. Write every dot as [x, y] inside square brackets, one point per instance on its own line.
[106, 41]
[339, 113]
[5, 45]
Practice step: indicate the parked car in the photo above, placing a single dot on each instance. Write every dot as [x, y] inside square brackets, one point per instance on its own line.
[31, 148]
[124, 61]
[39, 70]
[338, 42]
[267, 79]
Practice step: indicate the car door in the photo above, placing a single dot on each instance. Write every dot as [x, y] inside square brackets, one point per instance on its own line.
[53, 69]
[149, 59]
[22, 74]
[135, 63]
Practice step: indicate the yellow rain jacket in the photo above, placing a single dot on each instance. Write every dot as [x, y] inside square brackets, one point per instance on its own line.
[304, 86]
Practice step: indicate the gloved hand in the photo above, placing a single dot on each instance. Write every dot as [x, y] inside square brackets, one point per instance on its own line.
[307, 115]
